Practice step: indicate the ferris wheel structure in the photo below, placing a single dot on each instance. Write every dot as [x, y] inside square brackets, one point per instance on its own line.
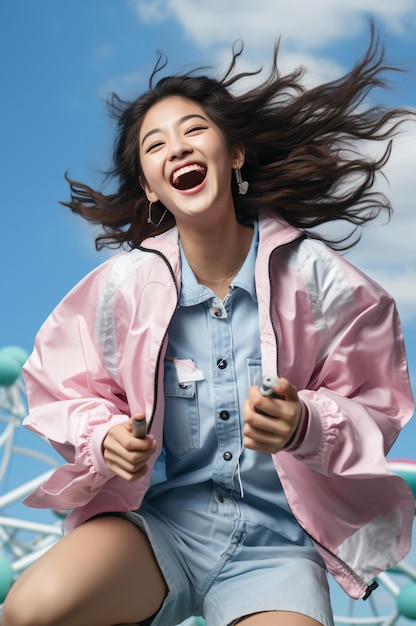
[27, 460]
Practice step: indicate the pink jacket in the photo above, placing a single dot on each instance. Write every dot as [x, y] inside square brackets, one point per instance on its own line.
[325, 326]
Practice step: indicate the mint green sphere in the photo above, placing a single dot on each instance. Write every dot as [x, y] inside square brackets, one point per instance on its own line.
[6, 576]
[20, 354]
[12, 359]
[9, 369]
[406, 602]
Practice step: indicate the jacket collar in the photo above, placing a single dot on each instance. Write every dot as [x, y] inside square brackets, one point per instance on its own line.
[274, 231]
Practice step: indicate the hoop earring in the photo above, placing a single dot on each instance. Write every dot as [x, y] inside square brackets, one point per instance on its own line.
[149, 218]
[243, 185]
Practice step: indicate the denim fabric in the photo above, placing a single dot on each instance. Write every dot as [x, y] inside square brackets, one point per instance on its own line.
[216, 515]
[204, 459]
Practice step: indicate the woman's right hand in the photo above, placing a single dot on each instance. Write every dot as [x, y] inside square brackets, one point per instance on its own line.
[126, 455]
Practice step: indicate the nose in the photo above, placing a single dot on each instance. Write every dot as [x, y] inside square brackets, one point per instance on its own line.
[179, 148]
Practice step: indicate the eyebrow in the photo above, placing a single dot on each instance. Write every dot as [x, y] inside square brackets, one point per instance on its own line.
[183, 119]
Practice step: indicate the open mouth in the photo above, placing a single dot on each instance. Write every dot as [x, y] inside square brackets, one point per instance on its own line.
[188, 176]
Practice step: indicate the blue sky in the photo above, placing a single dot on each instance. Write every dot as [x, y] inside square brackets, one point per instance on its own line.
[59, 60]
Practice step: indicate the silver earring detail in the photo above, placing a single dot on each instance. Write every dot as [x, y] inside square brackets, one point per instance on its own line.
[242, 184]
[149, 218]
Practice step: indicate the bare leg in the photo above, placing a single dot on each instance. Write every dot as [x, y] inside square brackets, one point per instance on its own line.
[103, 573]
[278, 618]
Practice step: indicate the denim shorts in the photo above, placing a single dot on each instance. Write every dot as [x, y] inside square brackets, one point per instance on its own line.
[224, 569]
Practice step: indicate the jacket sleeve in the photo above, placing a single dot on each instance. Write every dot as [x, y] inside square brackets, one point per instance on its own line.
[73, 401]
[357, 390]
[341, 344]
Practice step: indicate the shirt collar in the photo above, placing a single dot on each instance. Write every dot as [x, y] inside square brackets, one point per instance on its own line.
[193, 292]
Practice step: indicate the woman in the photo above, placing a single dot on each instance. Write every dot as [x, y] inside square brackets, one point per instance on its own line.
[234, 505]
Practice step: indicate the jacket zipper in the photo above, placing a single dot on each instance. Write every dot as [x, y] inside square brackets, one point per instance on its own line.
[371, 587]
[276, 337]
[156, 377]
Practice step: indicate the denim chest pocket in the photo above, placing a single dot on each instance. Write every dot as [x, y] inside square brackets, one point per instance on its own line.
[254, 371]
[181, 426]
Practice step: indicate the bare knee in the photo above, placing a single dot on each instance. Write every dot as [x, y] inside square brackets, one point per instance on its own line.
[24, 606]
[17, 613]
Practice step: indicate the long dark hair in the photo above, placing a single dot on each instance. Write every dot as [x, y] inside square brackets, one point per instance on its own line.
[303, 158]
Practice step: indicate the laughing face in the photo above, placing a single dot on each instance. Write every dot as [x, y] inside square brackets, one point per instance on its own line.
[186, 161]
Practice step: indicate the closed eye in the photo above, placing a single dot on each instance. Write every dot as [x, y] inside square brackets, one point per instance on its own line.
[153, 146]
[157, 144]
[194, 129]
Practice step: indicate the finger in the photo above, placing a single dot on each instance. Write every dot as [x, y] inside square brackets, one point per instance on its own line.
[259, 410]
[284, 388]
[126, 475]
[137, 416]
[130, 452]
[131, 463]
[264, 426]
[122, 438]
[130, 466]
[273, 432]
[267, 446]
[260, 404]
[266, 433]
[127, 460]
[136, 445]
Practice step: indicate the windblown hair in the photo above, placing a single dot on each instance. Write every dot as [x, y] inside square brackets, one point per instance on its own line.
[303, 148]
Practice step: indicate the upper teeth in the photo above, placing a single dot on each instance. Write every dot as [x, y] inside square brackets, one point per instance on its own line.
[186, 169]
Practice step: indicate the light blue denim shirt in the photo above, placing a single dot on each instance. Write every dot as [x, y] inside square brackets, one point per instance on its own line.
[213, 356]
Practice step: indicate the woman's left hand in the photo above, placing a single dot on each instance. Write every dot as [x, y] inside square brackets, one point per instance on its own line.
[270, 423]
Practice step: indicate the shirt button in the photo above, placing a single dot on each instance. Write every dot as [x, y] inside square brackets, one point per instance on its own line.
[222, 364]
[227, 456]
[224, 415]
[216, 312]
[221, 499]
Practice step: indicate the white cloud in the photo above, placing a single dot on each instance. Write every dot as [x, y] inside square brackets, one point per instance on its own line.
[125, 84]
[401, 189]
[210, 22]
[214, 24]
[398, 285]
[317, 69]
[149, 10]
[387, 251]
